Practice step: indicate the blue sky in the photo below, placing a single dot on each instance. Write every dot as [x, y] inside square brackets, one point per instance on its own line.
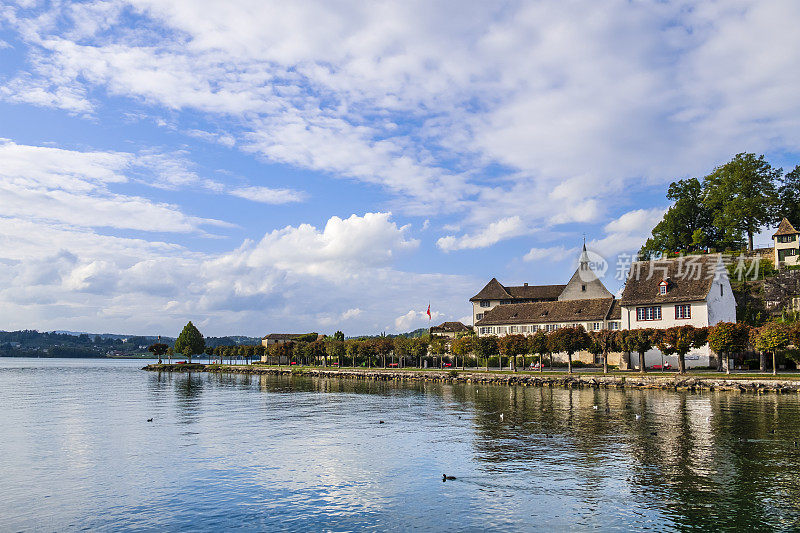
[257, 166]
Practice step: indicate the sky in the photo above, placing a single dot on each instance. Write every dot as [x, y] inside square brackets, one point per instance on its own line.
[258, 166]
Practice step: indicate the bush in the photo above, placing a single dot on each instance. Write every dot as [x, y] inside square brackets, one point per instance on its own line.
[579, 364]
[494, 361]
[470, 362]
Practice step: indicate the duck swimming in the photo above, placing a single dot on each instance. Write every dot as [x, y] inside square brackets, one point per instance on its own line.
[445, 477]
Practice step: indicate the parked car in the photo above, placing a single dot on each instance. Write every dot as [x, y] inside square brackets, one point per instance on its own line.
[393, 365]
[667, 366]
[447, 365]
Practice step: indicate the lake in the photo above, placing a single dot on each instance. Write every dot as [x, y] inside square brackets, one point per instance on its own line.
[297, 453]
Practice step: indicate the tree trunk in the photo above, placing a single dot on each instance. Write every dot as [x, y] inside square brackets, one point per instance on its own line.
[541, 363]
[514, 360]
[750, 241]
[774, 366]
[727, 363]
[569, 363]
[681, 363]
[605, 363]
[642, 369]
[762, 362]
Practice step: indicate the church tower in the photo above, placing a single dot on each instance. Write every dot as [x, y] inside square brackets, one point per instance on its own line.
[584, 283]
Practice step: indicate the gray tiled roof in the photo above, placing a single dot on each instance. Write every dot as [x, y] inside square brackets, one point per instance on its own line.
[689, 278]
[548, 312]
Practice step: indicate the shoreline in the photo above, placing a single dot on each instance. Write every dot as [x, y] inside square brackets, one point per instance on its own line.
[633, 380]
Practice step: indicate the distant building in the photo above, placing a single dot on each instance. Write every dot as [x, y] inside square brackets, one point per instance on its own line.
[449, 329]
[279, 338]
[786, 245]
[692, 290]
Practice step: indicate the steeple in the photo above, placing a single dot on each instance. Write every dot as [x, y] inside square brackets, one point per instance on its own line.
[584, 284]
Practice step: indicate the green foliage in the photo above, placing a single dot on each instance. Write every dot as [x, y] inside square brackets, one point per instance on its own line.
[733, 201]
[339, 336]
[538, 344]
[486, 346]
[773, 337]
[158, 349]
[511, 345]
[789, 197]
[190, 341]
[741, 194]
[729, 337]
[463, 346]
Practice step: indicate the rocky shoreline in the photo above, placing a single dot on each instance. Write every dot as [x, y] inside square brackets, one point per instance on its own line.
[611, 381]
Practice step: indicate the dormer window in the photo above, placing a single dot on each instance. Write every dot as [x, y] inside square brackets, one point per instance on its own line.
[662, 287]
[583, 288]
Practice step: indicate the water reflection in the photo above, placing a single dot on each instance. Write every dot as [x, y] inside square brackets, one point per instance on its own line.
[263, 452]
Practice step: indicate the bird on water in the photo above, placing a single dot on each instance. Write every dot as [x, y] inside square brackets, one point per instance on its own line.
[445, 477]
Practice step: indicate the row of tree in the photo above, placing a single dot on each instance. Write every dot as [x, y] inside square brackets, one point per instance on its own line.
[727, 207]
[729, 340]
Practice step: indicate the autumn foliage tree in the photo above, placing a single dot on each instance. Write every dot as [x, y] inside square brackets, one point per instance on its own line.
[728, 338]
[570, 340]
[772, 338]
[511, 346]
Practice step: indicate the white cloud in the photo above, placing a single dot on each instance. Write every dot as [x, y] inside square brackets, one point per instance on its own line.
[505, 228]
[578, 101]
[266, 195]
[553, 253]
[415, 320]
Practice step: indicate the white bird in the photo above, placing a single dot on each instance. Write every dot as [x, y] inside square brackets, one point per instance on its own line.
[638, 417]
[501, 417]
[595, 407]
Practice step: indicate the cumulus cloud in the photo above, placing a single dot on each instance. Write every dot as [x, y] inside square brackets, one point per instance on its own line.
[577, 101]
[415, 319]
[553, 253]
[502, 229]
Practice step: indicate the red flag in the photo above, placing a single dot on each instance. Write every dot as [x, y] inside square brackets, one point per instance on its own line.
[429, 311]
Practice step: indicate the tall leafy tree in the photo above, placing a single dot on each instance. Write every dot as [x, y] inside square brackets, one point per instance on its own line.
[486, 347]
[511, 346]
[639, 341]
[742, 195]
[687, 224]
[538, 344]
[462, 347]
[190, 341]
[603, 342]
[789, 197]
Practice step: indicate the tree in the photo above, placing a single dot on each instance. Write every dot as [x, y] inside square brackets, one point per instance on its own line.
[438, 346]
[190, 341]
[687, 224]
[338, 336]
[537, 344]
[486, 347]
[462, 347]
[603, 342]
[158, 349]
[419, 348]
[772, 338]
[335, 349]
[728, 338]
[742, 194]
[570, 340]
[681, 339]
[639, 341]
[789, 197]
[511, 346]
[383, 345]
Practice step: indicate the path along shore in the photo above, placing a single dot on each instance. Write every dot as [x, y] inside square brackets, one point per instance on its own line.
[617, 380]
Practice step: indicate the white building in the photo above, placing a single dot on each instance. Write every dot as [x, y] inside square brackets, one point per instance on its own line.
[690, 290]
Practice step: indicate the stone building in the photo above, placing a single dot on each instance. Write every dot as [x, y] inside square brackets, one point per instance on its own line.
[786, 245]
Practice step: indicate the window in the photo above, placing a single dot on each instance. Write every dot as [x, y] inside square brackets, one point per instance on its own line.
[786, 238]
[523, 329]
[648, 313]
[512, 329]
[485, 303]
[662, 290]
[613, 325]
[683, 311]
[479, 316]
[502, 330]
[583, 288]
[783, 254]
[505, 302]
[596, 326]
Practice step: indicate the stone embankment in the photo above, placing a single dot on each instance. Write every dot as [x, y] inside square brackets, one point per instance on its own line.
[579, 380]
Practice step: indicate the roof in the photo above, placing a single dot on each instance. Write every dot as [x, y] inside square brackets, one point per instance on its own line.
[785, 228]
[454, 327]
[282, 336]
[616, 311]
[689, 279]
[548, 312]
[494, 290]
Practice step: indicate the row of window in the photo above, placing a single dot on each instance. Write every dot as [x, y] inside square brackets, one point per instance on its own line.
[511, 330]
[654, 312]
[786, 238]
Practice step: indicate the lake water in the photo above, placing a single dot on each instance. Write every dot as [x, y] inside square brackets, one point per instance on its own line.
[266, 453]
